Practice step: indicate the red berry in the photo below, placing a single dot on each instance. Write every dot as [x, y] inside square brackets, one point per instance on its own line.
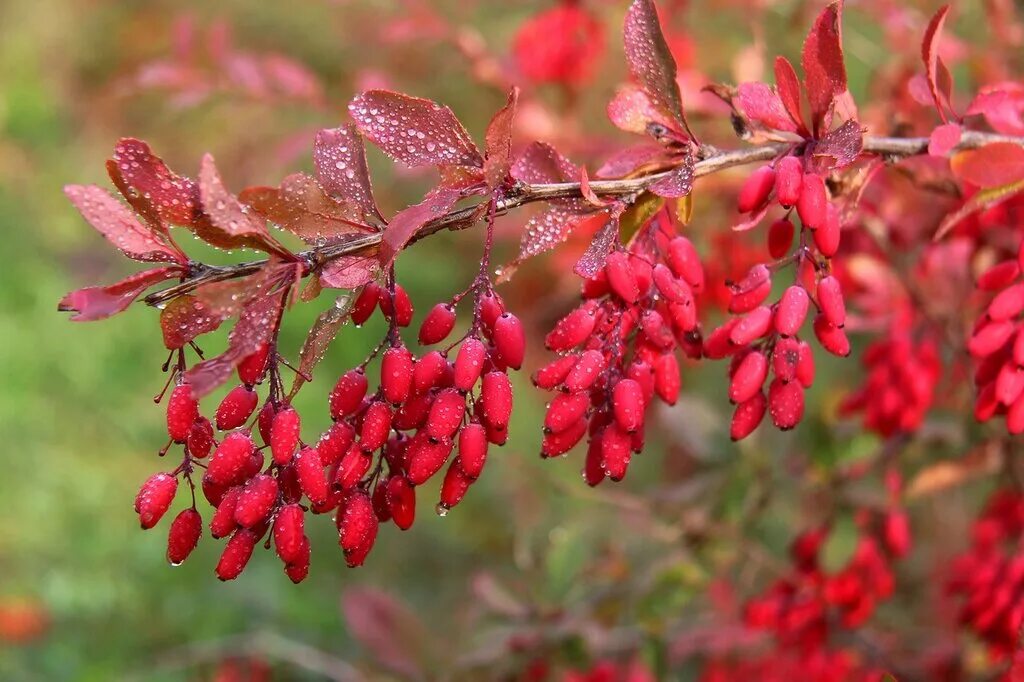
[555, 444]
[554, 373]
[182, 412]
[237, 406]
[496, 399]
[813, 202]
[586, 371]
[426, 457]
[672, 289]
[510, 340]
[257, 499]
[780, 237]
[223, 522]
[284, 435]
[830, 298]
[200, 438]
[616, 452]
[265, 420]
[289, 533]
[621, 278]
[684, 260]
[365, 303]
[472, 449]
[236, 554]
[752, 290]
[565, 410]
[413, 413]
[352, 468]
[788, 180]
[402, 501]
[334, 443]
[785, 404]
[311, 475]
[999, 276]
[748, 377]
[453, 488]
[573, 329]
[438, 324]
[429, 371]
[357, 522]
[827, 236]
[792, 310]
[805, 365]
[469, 363]
[231, 459]
[348, 393]
[748, 416]
[491, 307]
[1008, 303]
[403, 307]
[756, 189]
[593, 469]
[446, 414]
[832, 338]
[299, 569]
[753, 326]
[154, 498]
[183, 535]
[252, 366]
[376, 426]
[396, 370]
[628, 404]
[667, 380]
[656, 331]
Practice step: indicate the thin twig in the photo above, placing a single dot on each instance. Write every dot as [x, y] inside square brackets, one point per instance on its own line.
[891, 147]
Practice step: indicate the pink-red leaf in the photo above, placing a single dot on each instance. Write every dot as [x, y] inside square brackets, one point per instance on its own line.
[930, 55]
[1002, 105]
[541, 163]
[839, 147]
[415, 131]
[96, 303]
[633, 111]
[630, 160]
[788, 86]
[340, 160]
[389, 631]
[650, 60]
[319, 339]
[762, 105]
[944, 139]
[350, 272]
[408, 222]
[677, 183]
[150, 186]
[824, 71]
[120, 226]
[186, 318]
[498, 142]
[228, 223]
[596, 255]
[994, 165]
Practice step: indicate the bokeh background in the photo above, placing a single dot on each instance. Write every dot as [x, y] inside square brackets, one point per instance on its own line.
[533, 559]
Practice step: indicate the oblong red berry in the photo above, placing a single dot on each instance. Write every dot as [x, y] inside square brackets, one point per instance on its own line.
[990, 337]
[453, 488]
[756, 189]
[555, 444]
[200, 438]
[252, 366]
[472, 449]
[284, 435]
[154, 498]
[999, 276]
[830, 298]
[446, 414]
[438, 324]
[396, 371]
[289, 532]
[616, 452]
[552, 374]
[510, 340]
[366, 303]
[751, 327]
[684, 260]
[376, 426]
[788, 180]
[832, 338]
[257, 499]
[357, 521]
[785, 358]
[236, 554]
[829, 233]
[749, 377]
[352, 468]
[628, 404]
[237, 406]
[586, 371]
[621, 278]
[673, 289]
[426, 457]
[1009, 383]
[593, 469]
[184, 535]
[265, 420]
[334, 443]
[780, 237]
[785, 403]
[667, 379]
[401, 501]
[182, 412]
[792, 310]
[752, 290]
[565, 410]
[299, 569]
[813, 201]
[428, 371]
[311, 475]
[573, 329]
[496, 399]
[747, 416]
[413, 412]
[403, 307]
[222, 523]
[805, 365]
[491, 307]
[231, 459]
[347, 395]
[469, 363]
[656, 331]
[1008, 303]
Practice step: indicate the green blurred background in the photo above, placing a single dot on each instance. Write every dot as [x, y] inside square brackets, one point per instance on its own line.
[85, 595]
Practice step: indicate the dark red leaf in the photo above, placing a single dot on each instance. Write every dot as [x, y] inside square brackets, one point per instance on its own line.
[120, 226]
[341, 170]
[498, 141]
[994, 165]
[415, 131]
[824, 71]
[541, 163]
[542, 233]
[228, 298]
[839, 148]
[185, 318]
[630, 160]
[408, 222]
[930, 55]
[228, 223]
[1002, 105]
[943, 139]
[633, 111]
[389, 631]
[350, 272]
[650, 60]
[596, 255]
[96, 303]
[147, 182]
[301, 207]
[678, 183]
[788, 86]
[319, 338]
[760, 104]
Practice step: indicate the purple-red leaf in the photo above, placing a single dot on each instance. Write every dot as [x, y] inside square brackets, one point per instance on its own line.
[301, 207]
[408, 222]
[677, 183]
[96, 303]
[498, 141]
[930, 55]
[994, 165]
[1002, 105]
[596, 255]
[541, 163]
[389, 631]
[839, 147]
[762, 105]
[150, 186]
[319, 339]
[185, 318]
[340, 160]
[944, 139]
[120, 226]
[650, 60]
[630, 160]
[415, 131]
[788, 86]
[824, 71]
[350, 272]
[633, 111]
[229, 224]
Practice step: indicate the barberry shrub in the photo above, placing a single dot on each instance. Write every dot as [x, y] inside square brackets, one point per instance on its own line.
[843, 250]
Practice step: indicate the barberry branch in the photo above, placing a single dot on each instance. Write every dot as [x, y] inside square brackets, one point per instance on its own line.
[716, 161]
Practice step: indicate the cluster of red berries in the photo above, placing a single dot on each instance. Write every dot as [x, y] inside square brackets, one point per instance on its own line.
[618, 350]
[989, 577]
[820, 665]
[366, 466]
[998, 344]
[902, 373]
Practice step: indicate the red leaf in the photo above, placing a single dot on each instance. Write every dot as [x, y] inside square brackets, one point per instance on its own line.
[229, 224]
[120, 226]
[760, 104]
[596, 255]
[630, 160]
[944, 139]
[572, 58]
[255, 327]
[186, 318]
[930, 55]
[839, 148]
[340, 160]
[390, 632]
[319, 339]
[788, 86]
[96, 303]
[824, 72]
[408, 222]
[650, 60]
[301, 207]
[633, 111]
[541, 163]
[1002, 105]
[350, 272]
[994, 165]
[498, 141]
[982, 200]
[546, 231]
[150, 186]
[415, 131]
[228, 298]
[678, 183]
